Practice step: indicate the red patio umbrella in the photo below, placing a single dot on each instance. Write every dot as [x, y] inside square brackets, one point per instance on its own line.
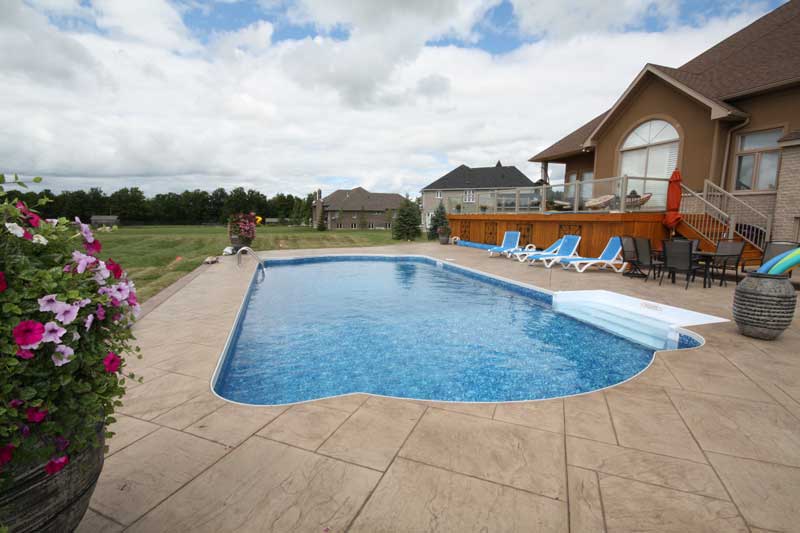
[674, 194]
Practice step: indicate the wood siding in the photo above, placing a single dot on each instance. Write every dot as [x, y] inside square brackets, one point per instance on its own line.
[542, 230]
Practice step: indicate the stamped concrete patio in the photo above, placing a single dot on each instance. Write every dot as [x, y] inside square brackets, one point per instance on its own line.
[704, 440]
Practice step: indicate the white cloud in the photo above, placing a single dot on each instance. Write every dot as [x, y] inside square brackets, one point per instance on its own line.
[145, 104]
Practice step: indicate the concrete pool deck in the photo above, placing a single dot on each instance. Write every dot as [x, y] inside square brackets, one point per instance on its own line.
[704, 440]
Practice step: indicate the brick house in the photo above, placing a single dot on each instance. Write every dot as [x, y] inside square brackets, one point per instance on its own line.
[356, 209]
[729, 120]
[466, 190]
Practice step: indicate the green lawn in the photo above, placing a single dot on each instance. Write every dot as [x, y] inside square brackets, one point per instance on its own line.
[156, 256]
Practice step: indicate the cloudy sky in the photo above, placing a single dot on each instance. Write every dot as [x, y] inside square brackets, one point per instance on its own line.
[291, 95]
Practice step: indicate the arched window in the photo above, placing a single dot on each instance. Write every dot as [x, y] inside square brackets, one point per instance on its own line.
[651, 150]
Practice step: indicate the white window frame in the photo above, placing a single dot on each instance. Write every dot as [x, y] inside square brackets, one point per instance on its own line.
[757, 154]
[469, 196]
[438, 195]
[646, 147]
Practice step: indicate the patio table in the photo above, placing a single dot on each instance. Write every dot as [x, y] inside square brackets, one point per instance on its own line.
[707, 260]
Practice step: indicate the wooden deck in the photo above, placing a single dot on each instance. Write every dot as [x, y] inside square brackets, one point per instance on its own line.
[542, 229]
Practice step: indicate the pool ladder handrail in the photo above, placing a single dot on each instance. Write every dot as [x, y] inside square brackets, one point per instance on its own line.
[250, 251]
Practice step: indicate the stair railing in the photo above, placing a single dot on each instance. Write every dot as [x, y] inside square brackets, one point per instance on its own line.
[705, 218]
[249, 251]
[751, 224]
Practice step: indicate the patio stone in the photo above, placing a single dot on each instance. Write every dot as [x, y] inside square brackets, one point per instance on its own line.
[95, 523]
[305, 425]
[417, 497]
[189, 412]
[265, 486]
[647, 467]
[161, 394]
[232, 424]
[585, 507]
[711, 373]
[136, 479]
[649, 422]
[587, 416]
[374, 433]
[767, 494]
[127, 430]
[545, 414]
[634, 506]
[486, 410]
[518, 456]
[146, 373]
[349, 402]
[658, 375]
[195, 360]
[744, 428]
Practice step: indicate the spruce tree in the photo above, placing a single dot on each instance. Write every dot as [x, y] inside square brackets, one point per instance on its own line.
[438, 220]
[321, 223]
[406, 226]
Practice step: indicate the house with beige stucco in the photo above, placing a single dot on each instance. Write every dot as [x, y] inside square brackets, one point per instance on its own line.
[729, 120]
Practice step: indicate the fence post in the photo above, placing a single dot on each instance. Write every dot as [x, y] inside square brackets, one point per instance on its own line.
[731, 226]
[576, 202]
[623, 192]
[543, 199]
[516, 202]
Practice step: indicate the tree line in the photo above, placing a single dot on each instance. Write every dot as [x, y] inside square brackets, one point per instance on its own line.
[188, 207]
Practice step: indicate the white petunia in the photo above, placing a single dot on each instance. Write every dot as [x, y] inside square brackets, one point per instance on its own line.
[15, 229]
[39, 239]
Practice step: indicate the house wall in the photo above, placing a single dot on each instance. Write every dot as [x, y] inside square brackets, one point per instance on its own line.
[786, 225]
[579, 163]
[454, 197]
[348, 218]
[655, 99]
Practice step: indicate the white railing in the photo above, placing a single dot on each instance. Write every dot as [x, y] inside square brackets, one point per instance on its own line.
[704, 217]
[259, 266]
[601, 195]
[750, 224]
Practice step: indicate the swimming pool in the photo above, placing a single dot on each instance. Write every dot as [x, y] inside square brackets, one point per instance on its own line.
[411, 327]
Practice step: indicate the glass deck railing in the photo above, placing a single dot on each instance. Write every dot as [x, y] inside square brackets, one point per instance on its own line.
[618, 194]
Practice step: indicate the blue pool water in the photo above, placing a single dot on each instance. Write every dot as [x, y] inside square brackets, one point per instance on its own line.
[408, 327]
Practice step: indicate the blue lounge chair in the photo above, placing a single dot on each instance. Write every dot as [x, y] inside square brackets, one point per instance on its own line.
[568, 248]
[611, 257]
[530, 250]
[510, 244]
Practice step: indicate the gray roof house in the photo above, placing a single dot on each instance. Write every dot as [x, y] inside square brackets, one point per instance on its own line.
[468, 190]
[356, 209]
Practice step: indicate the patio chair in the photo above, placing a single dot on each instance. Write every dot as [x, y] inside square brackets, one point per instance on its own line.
[773, 249]
[510, 244]
[646, 259]
[678, 259]
[720, 265]
[609, 258]
[525, 253]
[630, 257]
[568, 248]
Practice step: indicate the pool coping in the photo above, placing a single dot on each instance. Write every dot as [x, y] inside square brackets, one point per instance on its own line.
[311, 258]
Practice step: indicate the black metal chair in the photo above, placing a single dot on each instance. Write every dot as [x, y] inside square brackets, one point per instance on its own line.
[645, 257]
[630, 256]
[678, 259]
[730, 256]
[773, 249]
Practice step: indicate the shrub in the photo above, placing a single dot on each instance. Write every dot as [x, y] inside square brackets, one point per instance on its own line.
[406, 225]
[243, 225]
[66, 318]
[438, 220]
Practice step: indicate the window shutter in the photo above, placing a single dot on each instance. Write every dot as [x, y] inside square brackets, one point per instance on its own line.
[672, 159]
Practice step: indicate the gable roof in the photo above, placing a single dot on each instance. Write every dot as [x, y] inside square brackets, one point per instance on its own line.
[496, 177]
[760, 57]
[360, 199]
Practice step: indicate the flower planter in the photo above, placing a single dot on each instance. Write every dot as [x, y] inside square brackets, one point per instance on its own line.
[36, 501]
[763, 305]
[444, 238]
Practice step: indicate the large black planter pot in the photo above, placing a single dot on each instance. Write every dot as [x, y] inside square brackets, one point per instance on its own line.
[36, 501]
[763, 305]
[444, 239]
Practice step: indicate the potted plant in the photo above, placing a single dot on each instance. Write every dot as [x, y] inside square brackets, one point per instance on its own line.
[439, 226]
[763, 305]
[66, 321]
[444, 234]
[241, 229]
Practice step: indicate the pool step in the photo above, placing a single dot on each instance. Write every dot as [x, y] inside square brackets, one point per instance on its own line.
[638, 328]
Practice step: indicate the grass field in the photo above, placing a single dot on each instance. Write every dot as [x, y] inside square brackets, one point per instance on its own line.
[156, 256]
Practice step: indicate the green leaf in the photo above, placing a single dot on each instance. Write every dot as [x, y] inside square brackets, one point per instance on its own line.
[11, 308]
[27, 393]
[37, 179]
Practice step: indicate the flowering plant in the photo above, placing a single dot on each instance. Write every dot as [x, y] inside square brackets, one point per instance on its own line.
[66, 317]
[243, 225]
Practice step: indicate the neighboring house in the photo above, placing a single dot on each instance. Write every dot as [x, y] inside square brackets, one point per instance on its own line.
[470, 190]
[729, 120]
[356, 209]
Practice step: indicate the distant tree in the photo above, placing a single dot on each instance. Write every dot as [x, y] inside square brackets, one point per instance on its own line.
[130, 205]
[216, 205]
[406, 225]
[361, 221]
[321, 224]
[438, 220]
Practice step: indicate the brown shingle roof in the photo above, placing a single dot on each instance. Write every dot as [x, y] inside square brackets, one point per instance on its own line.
[360, 199]
[496, 177]
[764, 55]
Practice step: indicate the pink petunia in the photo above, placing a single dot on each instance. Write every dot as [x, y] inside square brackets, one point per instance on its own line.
[27, 235]
[111, 362]
[88, 322]
[53, 333]
[33, 219]
[114, 268]
[132, 299]
[25, 430]
[24, 353]
[6, 453]
[93, 248]
[66, 313]
[101, 312]
[35, 415]
[56, 465]
[61, 443]
[28, 333]
[16, 402]
[86, 231]
[101, 273]
[49, 303]
[3, 282]
[82, 261]
[62, 355]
